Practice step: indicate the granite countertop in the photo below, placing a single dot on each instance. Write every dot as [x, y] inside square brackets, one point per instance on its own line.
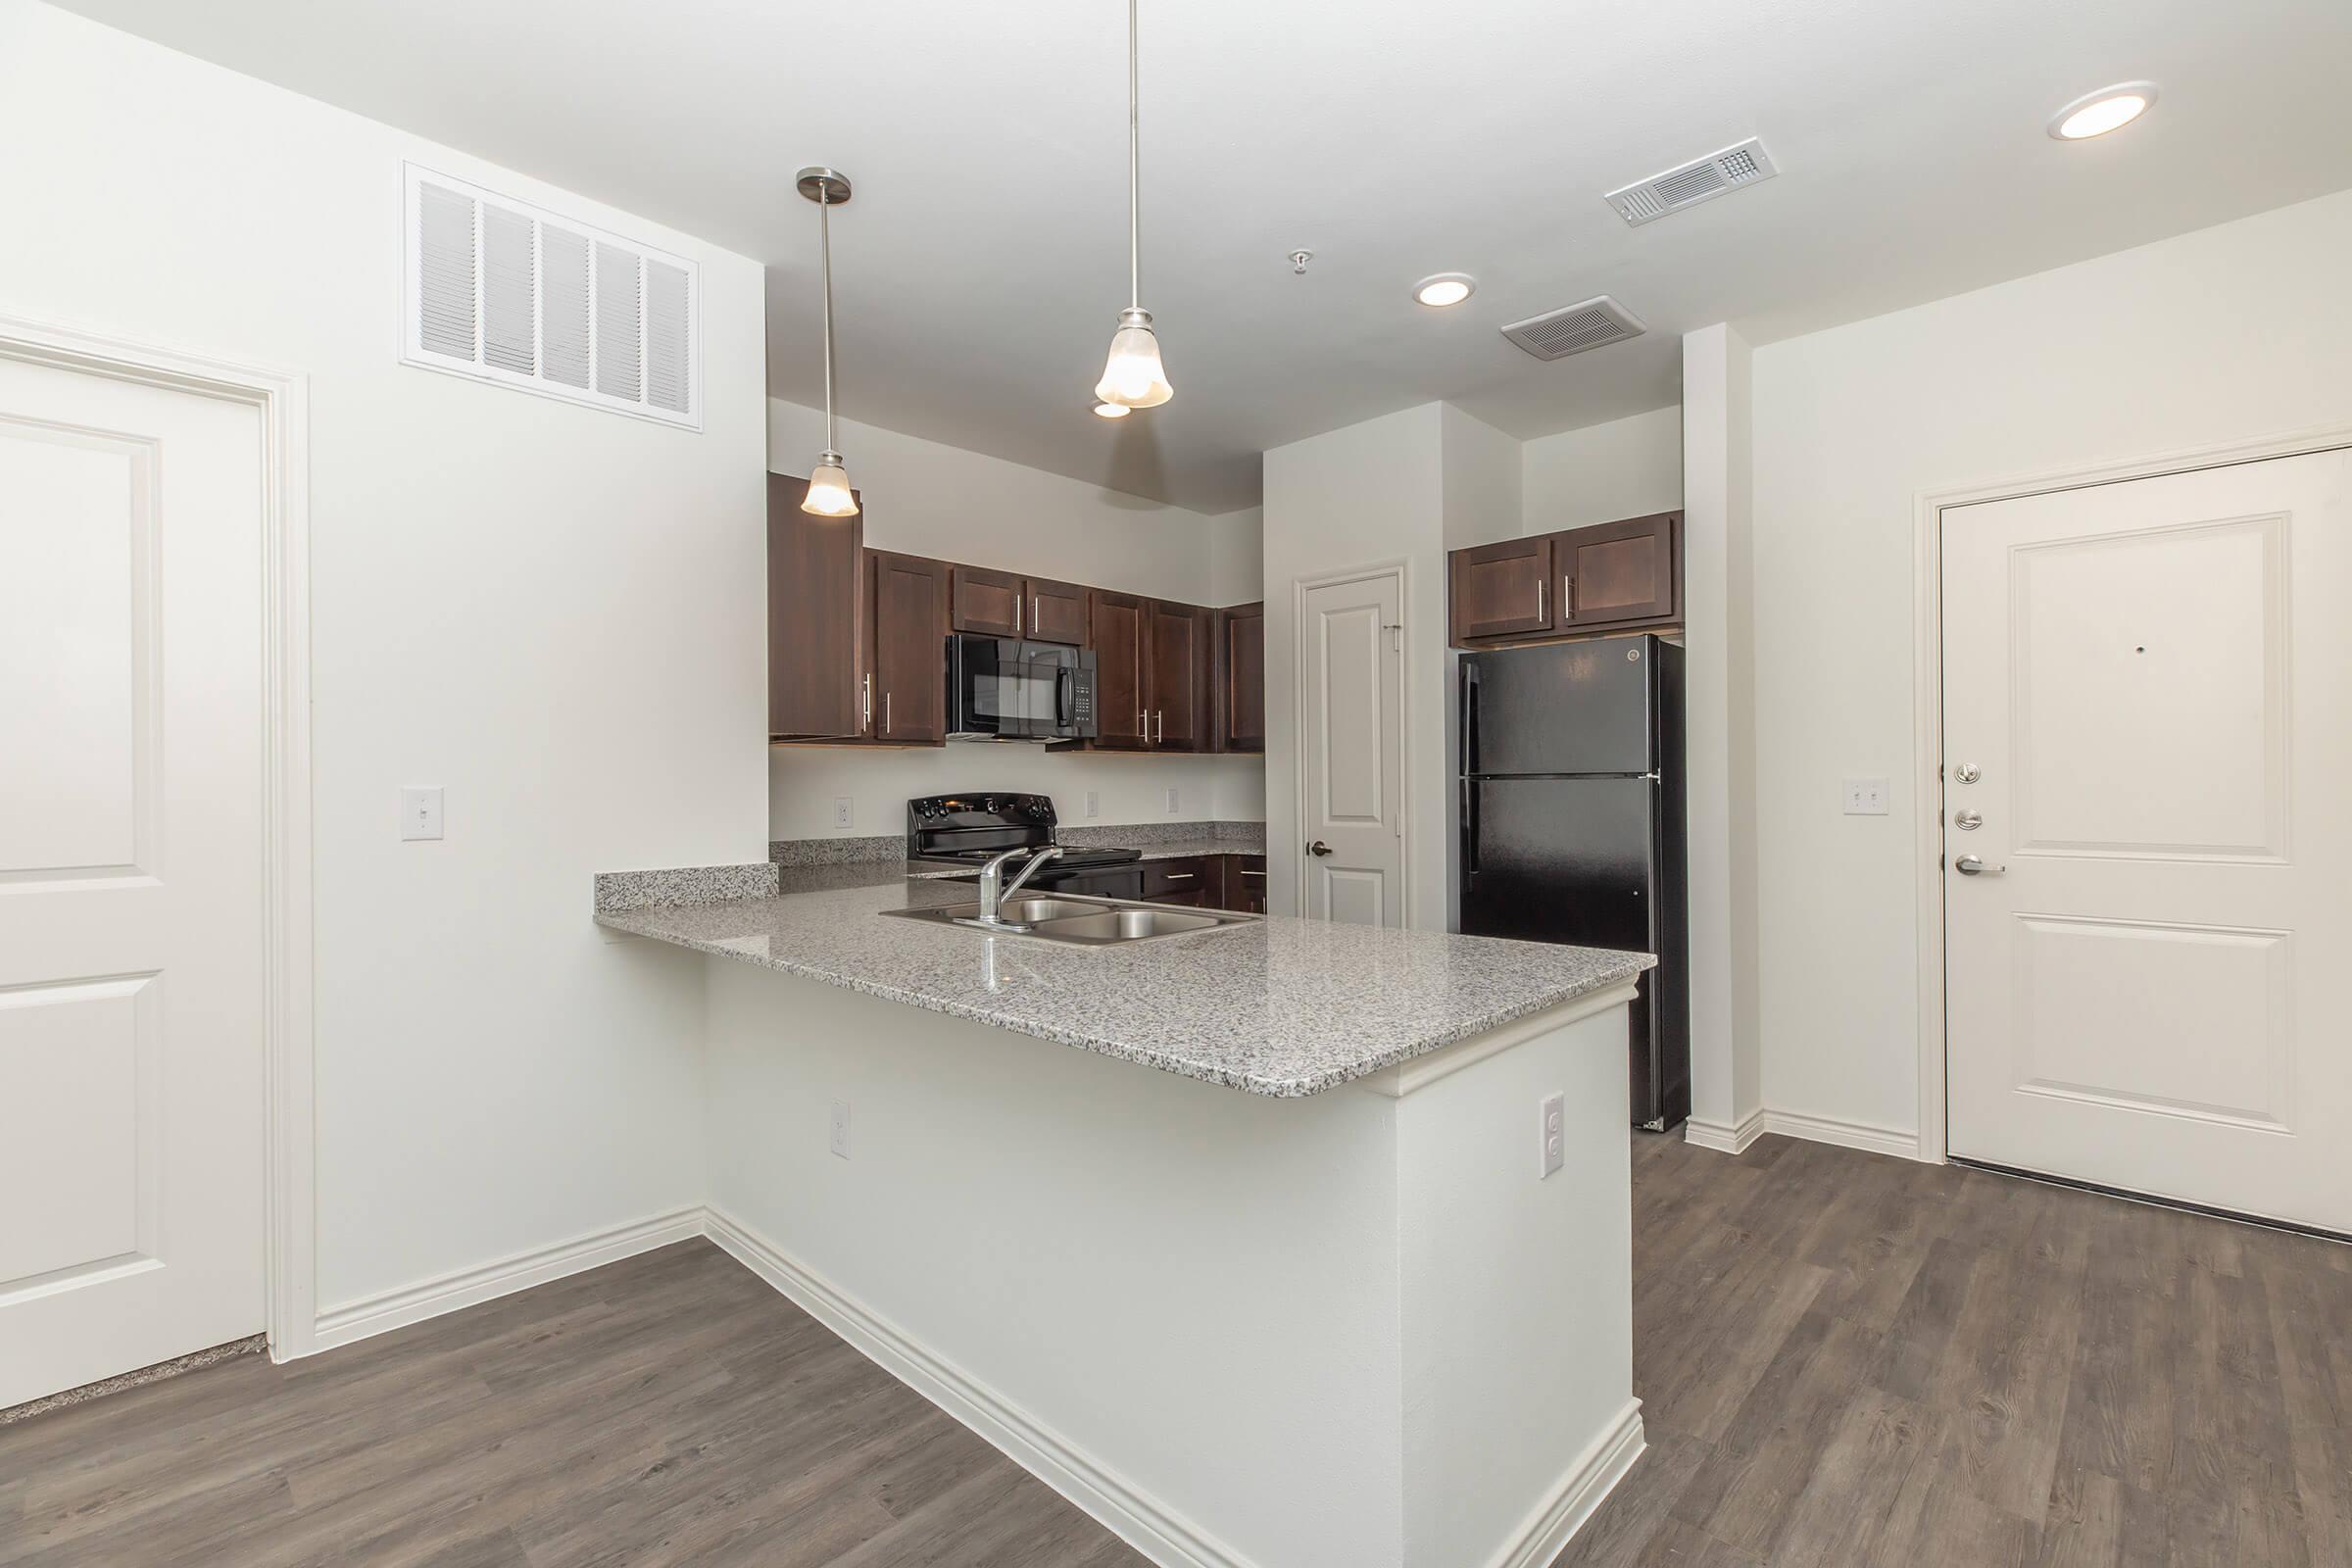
[1278, 1006]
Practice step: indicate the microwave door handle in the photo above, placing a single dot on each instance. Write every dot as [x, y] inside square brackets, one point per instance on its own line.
[1066, 696]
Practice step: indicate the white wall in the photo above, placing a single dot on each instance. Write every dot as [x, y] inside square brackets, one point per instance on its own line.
[2235, 332]
[555, 612]
[1628, 467]
[927, 499]
[1355, 496]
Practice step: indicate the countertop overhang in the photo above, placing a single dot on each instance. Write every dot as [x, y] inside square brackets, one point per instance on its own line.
[1280, 1006]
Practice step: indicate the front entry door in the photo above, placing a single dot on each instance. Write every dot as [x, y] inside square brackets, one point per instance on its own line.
[131, 982]
[1351, 752]
[2147, 730]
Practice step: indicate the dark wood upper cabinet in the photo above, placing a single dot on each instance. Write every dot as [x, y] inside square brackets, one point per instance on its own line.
[1181, 706]
[986, 602]
[1612, 576]
[999, 603]
[1056, 611]
[1502, 590]
[816, 617]
[1242, 677]
[909, 612]
[1120, 637]
[1619, 573]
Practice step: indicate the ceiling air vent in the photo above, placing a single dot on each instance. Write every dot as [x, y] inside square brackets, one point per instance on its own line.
[506, 292]
[1590, 324]
[1702, 180]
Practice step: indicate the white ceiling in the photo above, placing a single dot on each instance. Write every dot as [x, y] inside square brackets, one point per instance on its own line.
[981, 265]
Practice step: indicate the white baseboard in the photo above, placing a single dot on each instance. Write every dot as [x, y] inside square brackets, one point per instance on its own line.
[1589, 1480]
[1862, 1135]
[1136, 1518]
[1725, 1138]
[380, 1315]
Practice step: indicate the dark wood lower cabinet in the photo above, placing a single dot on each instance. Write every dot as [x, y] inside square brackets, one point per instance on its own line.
[1209, 882]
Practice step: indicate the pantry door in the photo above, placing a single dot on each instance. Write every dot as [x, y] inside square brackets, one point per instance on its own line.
[2148, 836]
[132, 876]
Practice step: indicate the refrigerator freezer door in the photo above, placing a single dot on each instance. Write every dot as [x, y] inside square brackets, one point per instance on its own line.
[1570, 859]
[1566, 708]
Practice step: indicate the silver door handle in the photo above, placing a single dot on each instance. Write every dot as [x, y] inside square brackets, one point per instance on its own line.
[1970, 865]
[1318, 847]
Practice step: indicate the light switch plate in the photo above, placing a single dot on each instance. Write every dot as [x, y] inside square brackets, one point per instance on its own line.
[1866, 797]
[420, 811]
[1094, 803]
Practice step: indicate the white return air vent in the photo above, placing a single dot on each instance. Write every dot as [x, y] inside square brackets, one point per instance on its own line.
[502, 291]
[1702, 180]
[1591, 324]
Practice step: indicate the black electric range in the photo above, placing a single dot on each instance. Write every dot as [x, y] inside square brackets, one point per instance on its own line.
[973, 829]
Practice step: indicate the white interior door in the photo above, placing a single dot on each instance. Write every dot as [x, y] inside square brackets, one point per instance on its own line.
[2148, 722]
[131, 983]
[1351, 752]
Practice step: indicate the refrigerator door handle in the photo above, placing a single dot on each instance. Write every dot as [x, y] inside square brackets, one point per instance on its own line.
[1467, 720]
[1469, 828]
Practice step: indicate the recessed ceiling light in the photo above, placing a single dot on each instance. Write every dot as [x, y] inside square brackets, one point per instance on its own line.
[1113, 411]
[2095, 113]
[1446, 288]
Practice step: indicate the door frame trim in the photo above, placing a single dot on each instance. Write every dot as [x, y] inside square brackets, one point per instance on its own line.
[1927, 560]
[1400, 569]
[281, 397]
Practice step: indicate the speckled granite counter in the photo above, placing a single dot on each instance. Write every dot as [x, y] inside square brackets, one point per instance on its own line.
[1280, 1006]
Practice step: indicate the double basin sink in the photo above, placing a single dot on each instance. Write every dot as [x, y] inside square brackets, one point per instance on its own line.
[1078, 921]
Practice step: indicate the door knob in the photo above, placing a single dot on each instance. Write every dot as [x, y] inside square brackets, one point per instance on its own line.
[1970, 865]
[1318, 847]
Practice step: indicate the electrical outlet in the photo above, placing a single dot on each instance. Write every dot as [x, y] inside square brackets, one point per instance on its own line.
[845, 814]
[1866, 797]
[837, 1136]
[420, 811]
[1551, 1155]
[1094, 803]
[1171, 800]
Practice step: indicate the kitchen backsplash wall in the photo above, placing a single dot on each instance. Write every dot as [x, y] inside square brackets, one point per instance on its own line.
[806, 781]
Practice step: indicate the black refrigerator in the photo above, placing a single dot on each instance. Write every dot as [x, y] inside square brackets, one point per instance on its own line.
[1571, 807]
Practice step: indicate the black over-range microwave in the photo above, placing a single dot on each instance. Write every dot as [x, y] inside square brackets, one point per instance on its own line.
[1012, 689]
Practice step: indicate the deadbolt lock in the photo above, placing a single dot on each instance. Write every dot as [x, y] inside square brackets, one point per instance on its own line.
[1967, 772]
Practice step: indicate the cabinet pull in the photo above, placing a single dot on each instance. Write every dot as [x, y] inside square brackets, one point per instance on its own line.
[1016, 615]
[1181, 876]
[1542, 583]
[1260, 875]
[1160, 724]
[1036, 611]
[1568, 592]
[865, 704]
[886, 714]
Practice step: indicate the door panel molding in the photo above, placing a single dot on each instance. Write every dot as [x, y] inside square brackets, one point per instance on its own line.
[281, 398]
[1930, 520]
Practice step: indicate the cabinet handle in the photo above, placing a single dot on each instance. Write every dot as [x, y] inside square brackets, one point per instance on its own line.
[1016, 615]
[1568, 592]
[1180, 876]
[886, 713]
[1541, 584]
[1160, 724]
[1260, 875]
[1037, 609]
[865, 704]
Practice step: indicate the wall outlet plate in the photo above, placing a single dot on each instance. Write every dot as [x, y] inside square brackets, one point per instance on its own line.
[844, 812]
[1172, 800]
[420, 811]
[837, 1132]
[1551, 1150]
[1866, 797]
[1094, 803]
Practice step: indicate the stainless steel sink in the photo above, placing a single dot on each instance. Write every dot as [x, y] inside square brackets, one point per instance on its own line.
[1082, 921]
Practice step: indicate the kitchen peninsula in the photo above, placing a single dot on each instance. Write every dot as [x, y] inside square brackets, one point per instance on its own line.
[1239, 1238]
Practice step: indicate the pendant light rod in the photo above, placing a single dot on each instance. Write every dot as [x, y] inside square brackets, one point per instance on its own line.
[829, 493]
[1135, 179]
[824, 250]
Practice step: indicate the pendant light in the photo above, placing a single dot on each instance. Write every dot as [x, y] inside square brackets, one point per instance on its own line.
[1133, 377]
[828, 482]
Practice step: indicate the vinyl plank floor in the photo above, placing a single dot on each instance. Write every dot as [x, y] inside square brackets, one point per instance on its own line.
[1844, 1359]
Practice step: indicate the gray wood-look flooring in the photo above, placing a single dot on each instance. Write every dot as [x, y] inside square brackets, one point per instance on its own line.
[1844, 1359]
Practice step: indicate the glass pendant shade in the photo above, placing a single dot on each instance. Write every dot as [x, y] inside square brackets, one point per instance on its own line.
[829, 489]
[1133, 377]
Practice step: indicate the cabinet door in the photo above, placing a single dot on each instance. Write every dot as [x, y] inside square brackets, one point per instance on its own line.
[1619, 573]
[1502, 590]
[910, 635]
[1119, 634]
[1056, 611]
[1245, 883]
[1241, 678]
[1172, 881]
[1179, 686]
[986, 602]
[816, 618]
